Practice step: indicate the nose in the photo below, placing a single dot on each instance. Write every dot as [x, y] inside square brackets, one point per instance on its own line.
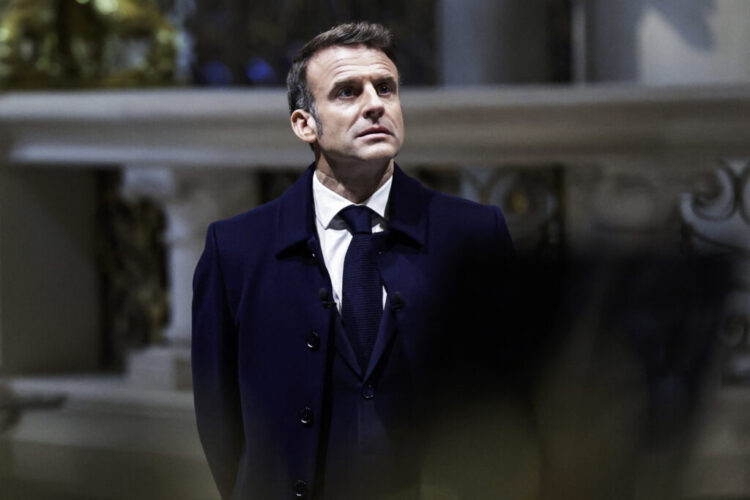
[373, 104]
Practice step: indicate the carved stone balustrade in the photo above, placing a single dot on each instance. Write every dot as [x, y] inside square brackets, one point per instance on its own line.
[482, 126]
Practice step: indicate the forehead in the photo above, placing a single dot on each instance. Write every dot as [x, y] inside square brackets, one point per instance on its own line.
[338, 63]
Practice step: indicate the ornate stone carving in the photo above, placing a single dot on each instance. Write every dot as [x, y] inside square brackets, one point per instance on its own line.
[717, 221]
[529, 198]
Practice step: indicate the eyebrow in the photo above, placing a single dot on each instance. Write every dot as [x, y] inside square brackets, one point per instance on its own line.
[345, 82]
[355, 81]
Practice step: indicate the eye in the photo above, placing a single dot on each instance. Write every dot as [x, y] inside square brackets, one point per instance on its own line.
[345, 92]
[385, 88]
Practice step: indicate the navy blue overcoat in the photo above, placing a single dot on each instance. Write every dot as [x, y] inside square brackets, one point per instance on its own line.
[283, 409]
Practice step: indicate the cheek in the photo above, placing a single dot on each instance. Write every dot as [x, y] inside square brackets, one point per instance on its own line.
[397, 114]
[399, 119]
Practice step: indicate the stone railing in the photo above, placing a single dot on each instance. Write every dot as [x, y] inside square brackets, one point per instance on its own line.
[468, 126]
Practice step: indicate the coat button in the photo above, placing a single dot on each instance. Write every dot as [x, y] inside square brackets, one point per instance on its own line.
[313, 341]
[300, 489]
[306, 416]
[323, 296]
[368, 391]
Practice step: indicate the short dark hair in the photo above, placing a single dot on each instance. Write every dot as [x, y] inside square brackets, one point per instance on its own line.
[372, 35]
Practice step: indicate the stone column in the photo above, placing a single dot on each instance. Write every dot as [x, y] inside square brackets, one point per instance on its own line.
[493, 41]
[669, 41]
[191, 200]
[49, 302]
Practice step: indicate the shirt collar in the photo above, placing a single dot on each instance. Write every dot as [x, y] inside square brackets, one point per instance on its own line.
[408, 207]
[328, 203]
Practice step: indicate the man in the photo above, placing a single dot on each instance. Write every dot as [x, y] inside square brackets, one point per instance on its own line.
[321, 330]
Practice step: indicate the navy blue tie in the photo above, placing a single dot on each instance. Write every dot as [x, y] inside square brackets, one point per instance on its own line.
[362, 302]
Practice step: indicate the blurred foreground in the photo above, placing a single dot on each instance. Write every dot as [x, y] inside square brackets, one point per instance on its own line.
[610, 388]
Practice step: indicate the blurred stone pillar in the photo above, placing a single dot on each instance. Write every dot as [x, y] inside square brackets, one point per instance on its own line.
[493, 41]
[191, 200]
[49, 287]
[669, 41]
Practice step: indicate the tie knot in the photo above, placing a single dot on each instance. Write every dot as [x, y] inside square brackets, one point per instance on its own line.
[358, 218]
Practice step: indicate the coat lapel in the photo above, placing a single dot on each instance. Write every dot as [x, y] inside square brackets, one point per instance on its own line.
[385, 333]
[296, 217]
[406, 233]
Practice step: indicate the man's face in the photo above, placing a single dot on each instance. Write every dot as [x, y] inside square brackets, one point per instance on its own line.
[355, 89]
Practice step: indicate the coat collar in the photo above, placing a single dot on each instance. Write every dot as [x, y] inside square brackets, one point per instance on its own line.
[407, 214]
[407, 208]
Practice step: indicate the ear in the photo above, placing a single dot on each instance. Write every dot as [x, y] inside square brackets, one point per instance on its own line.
[304, 126]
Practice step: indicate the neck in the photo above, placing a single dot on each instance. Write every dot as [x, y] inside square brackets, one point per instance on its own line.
[355, 182]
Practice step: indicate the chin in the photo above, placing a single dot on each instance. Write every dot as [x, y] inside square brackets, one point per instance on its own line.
[379, 152]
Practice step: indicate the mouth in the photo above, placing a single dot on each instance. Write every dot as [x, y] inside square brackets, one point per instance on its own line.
[375, 131]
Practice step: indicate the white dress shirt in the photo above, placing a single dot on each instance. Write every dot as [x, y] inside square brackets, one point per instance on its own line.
[333, 234]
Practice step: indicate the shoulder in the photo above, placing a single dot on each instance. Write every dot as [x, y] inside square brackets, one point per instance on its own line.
[237, 245]
[258, 219]
[446, 219]
[411, 194]
[467, 221]
[287, 215]
[443, 201]
[246, 237]
[467, 214]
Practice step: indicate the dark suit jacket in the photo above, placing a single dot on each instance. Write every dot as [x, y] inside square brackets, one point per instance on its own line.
[282, 406]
